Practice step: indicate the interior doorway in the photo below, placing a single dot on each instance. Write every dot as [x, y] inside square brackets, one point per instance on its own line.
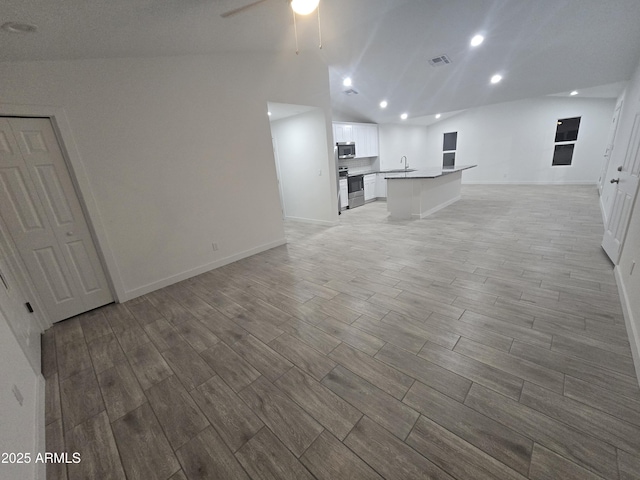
[304, 163]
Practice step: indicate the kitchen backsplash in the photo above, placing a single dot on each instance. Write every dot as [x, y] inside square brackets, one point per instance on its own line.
[359, 165]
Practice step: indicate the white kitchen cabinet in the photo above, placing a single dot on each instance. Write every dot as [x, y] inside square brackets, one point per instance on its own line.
[343, 132]
[360, 137]
[372, 141]
[365, 135]
[369, 187]
[381, 186]
[344, 194]
[366, 138]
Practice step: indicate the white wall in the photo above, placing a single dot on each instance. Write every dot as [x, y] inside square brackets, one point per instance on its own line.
[177, 152]
[513, 142]
[628, 283]
[403, 140]
[21, 426]
[305, 167]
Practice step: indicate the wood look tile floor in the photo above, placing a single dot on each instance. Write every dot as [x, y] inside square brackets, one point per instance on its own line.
[485, 341]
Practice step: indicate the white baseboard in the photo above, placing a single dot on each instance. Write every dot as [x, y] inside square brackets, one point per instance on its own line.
[633, 331]
[326, 223]
[492, 182]
[165, 282]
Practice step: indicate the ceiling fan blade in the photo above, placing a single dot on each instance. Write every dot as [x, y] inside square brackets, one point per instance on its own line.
[238, 10]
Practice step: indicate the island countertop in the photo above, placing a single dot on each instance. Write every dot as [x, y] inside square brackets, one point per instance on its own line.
[426, 173]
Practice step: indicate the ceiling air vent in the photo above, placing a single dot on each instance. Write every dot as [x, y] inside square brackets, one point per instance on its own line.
[439, 61]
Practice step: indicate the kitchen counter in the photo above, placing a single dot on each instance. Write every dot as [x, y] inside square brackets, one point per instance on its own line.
[425, 173]
[373, 172]
[412, 172]
[421, 192]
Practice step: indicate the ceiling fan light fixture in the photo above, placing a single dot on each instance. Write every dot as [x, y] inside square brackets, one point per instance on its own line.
[304, 7]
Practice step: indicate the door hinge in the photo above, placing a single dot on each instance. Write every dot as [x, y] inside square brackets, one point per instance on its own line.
[29, 307]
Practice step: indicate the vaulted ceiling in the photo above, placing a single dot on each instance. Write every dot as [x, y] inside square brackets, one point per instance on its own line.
[540, 47]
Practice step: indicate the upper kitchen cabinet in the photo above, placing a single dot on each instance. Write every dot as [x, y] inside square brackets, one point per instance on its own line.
[343, 132]
[365, 136]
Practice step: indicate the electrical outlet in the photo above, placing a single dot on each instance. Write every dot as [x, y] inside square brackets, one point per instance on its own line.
[17, 394]
[215, 246]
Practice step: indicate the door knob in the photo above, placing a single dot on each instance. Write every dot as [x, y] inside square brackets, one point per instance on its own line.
[620, 168]
[615, 180]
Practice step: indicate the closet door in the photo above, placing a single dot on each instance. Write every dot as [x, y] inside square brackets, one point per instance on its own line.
[39, 204]
[625, 177]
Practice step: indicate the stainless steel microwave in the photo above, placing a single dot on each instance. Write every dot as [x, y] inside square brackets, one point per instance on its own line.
[346, 150]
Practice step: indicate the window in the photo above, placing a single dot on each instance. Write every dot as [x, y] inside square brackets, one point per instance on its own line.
[450, 141]
[567, 129]
[449, 145]
[566, 137]
[563, 154]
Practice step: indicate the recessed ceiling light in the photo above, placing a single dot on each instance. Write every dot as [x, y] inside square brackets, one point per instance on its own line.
[347, 82]
[575, 92]
[438, 115]
[477, 40]
[404, 116]
[383, 104]
[269, 113]
[496, 78]
[14, 27]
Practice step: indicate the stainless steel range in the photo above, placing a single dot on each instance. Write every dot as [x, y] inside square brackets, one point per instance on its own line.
[355, 184]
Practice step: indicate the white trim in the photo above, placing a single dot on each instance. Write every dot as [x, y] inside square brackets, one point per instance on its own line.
[71, 154]
[491, 182]
[165, 282]
[327, 223]
[439, 207]
[40, 472]
[632, 327]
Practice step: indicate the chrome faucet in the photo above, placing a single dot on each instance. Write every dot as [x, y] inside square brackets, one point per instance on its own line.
[404, 159]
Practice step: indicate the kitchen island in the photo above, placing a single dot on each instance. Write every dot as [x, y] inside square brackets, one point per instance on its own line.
[419, 193]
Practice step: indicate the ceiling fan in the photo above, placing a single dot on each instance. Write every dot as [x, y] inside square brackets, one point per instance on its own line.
[301, 7]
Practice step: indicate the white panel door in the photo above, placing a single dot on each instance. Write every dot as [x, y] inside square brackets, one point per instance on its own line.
[627, 185]
[39, 204]
[610, 142]
[12, 305]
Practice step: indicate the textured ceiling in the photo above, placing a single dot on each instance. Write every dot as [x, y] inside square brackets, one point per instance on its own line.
[540, 47]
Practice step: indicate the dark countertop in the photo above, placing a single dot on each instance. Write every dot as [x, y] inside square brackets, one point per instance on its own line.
[373, 172]
[426, 173]
[414, 173]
